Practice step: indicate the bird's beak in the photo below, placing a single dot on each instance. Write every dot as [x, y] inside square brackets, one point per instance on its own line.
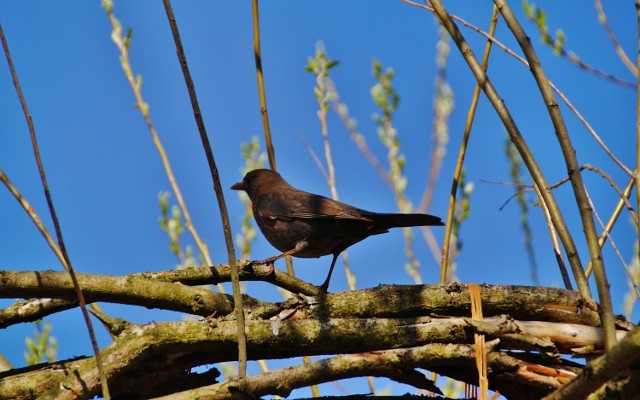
[238, 186]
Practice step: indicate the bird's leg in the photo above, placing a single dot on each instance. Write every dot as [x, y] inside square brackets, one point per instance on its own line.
[301, 245]
[325, 285]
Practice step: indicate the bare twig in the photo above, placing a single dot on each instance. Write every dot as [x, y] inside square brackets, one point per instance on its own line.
[461, 154]
[521, 145]
[614, 216]
[591, 131]
[261, 90]
[62, 254]
[577, 183]
[215, 176]
[136, 85]
[523, 61]
[554, 240]
[602, 17]
[535, 13]
[319, 66]
[615, 187]
[605, 234]
[479, 339]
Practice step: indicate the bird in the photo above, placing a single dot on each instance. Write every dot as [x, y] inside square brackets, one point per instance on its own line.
[308, 225]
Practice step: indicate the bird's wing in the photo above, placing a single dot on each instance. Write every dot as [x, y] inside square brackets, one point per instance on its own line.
[294, 203]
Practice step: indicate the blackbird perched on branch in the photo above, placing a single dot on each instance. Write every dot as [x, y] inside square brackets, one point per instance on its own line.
[307, 225]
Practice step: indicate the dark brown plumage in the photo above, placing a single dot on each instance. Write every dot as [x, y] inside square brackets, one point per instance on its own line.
[307, 225]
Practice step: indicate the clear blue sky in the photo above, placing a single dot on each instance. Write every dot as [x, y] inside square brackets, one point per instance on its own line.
[105, 174]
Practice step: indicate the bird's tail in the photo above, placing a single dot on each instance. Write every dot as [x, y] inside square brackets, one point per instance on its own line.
[386, 221]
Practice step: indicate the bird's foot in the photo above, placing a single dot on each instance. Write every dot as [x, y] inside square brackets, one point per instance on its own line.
[324, 287]
[301, 245]
[267, 261]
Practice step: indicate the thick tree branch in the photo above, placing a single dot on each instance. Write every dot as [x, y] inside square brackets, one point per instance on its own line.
[210, 341]
[169, 290]
[618, 358]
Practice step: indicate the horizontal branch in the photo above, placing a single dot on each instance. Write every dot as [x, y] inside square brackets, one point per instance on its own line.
[399, 365]
[371, 320]
[170, 290]
[599, 371]
[212, 341]
[132, 290]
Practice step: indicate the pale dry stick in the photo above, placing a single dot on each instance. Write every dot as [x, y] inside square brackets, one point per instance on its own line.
[516, 137]
[261, 90]
[215, 177]
[524, 61]
[461, 154]
[579, 190]
[479, 342]
[65, 260]
[136, 86]
[606, 234]
[604, 368]
[612, 36]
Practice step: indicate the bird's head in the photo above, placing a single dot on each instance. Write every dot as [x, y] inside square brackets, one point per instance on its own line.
[258, 181]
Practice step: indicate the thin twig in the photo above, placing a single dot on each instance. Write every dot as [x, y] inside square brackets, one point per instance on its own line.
[261, 90]
[136, 85]
[571, 161]
[519, 142]
[614, 217]
[606, 234]
[615, 187]
[558, 47]
[65, 260]
[476, 315]
[577, 183]
[591, 131]
[554, 240]
[621, 53]
[461, 154]
[320, 66]
[523, 61]
[215, 176]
